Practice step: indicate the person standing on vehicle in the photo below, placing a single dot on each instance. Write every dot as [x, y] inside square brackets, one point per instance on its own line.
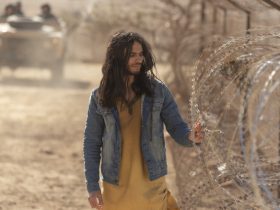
[48, 17]
[18, 9]
[46, 13]
[8, 11]
[124, 127]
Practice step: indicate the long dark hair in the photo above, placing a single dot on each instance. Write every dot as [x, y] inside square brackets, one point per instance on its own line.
[115, 70]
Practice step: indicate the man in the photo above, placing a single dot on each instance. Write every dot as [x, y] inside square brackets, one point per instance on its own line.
[47, 15]
[18, 9]
[125, 127]
[8, 11]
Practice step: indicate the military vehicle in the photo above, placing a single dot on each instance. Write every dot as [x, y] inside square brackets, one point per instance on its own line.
[32, 42]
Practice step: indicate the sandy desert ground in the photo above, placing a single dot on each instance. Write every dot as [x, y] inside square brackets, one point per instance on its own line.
[41, 132]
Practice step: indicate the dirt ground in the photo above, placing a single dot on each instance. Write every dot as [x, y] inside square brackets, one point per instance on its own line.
[41, 132]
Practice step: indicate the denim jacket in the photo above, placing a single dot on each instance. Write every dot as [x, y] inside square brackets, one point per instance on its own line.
[102, 137]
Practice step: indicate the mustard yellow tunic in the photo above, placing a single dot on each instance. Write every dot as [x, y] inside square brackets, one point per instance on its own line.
[135, 191]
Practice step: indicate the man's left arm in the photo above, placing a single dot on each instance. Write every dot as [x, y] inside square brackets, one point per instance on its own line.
[175, 125]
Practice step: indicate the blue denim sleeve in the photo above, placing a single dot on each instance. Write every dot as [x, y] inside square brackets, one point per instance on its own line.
[92, 145]
[175, 125]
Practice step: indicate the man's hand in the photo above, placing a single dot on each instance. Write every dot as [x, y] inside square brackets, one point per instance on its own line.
[95, 200]
[197, 133]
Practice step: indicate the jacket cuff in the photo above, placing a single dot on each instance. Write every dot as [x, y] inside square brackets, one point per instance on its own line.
[93, 187]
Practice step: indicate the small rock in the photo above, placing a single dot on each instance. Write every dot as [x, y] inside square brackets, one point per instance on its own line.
[47, 151]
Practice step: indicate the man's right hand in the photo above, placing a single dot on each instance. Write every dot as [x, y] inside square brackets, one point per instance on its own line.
[95, 200]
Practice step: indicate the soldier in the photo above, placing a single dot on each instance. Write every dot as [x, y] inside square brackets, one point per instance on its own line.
[46, 13]
[18, 9]
[48, 17]
[8, 11]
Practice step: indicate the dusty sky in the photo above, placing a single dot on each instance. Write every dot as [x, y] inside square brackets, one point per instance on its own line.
[31, 7]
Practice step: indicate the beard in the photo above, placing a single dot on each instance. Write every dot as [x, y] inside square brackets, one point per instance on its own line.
[132, 73]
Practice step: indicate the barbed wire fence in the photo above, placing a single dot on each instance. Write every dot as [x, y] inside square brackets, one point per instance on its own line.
[236, 94]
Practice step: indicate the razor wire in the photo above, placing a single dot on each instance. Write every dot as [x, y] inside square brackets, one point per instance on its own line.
[235, 94]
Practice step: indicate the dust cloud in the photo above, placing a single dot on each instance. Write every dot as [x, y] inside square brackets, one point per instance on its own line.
[41, 132]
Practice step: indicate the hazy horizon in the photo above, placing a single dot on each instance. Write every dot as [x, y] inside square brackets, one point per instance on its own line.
[32, 7]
